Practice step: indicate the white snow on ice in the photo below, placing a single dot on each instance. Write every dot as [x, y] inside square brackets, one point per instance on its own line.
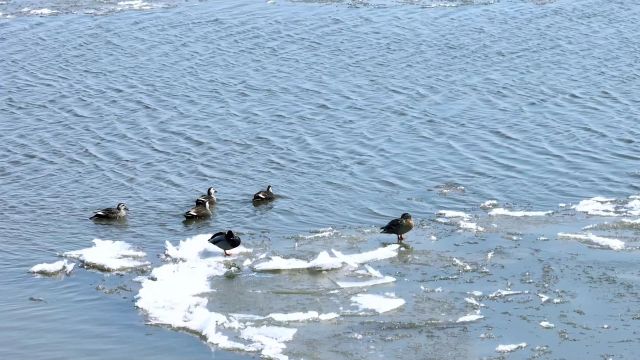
[510, 347]
[613, 244]
[506, 212]
[377, 303]
[109, 255]
[53, 268]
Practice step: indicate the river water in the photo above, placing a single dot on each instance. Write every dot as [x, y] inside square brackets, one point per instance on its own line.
[355, 112]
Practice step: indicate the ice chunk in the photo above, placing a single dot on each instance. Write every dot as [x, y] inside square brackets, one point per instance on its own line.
[597, 206]
[489, 204]
[543, 298]
[297, 316]
[464, 266]
[453, 214]
[505, 212]
[467, 225]
[547, 325]
[510, 347]
[377, 303]
[193, 247]
[53, 268]
[613, 244]
[270, 339]
[502, 293]
[470, 318]
[324, 261]
[376, 281]
[109, 255]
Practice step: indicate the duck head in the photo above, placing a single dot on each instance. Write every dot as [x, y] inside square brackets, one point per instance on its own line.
[406, 216]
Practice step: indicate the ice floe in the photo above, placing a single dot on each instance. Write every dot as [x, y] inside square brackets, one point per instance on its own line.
[502, 293]
[302, 316]
[378, 279]
[470, 318]
[109, 255]
[506, 212]
[547, 325]
[613, 244]
[377, 303]
[489, 204]
[324, 261]
[461, 219]
[195, 246]
[53, 268]
[597, 206]
[510, 347]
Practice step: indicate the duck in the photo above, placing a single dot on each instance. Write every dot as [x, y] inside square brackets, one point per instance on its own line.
[210, 196]
[200, 211]
[264, 195]
[399, 226]
[119, 212]
[225, 241]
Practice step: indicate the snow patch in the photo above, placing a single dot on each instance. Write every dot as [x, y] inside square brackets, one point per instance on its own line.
[613, 244]
[109, 255]
[53, 268]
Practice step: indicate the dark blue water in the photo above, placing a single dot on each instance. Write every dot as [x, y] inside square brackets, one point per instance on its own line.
[355, 112]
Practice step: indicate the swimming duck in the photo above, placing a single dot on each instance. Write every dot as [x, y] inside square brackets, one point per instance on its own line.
[200, 211]
[399, 226]
[264, 195]
[210, 197]
[225, 241]
[119, 212]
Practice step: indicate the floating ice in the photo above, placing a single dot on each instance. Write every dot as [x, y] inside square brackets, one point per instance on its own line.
[300, 316]
[502, 293]
[466, 225]
[377, 281]
[453, 214]
[473, 302]
[320, 233]
[470, 318]
[134, 4]
[193, 247]
[489, 204]
[109, 255]
[53, 268]
[505, 212]
[464, 266]
[543, 298]
[173, 296]
[613, 244]
[510, 348]
[42, 12]
[547, 325]
[324, 261]
[377, 303]
[597, 206]
[633, 207]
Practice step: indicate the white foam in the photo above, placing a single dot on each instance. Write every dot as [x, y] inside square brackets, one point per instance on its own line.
[377, 303]
[53, 268]
[324, 261]
[613, 244]
[510, 347]
[470, 318]
[506, 212]
[633, 207]
[547, 325]
[109, 255]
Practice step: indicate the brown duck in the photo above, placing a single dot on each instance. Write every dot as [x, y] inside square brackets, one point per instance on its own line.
[399, 226]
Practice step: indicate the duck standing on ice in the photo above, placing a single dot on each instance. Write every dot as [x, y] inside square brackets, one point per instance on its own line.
[399, 226]
[225, 241]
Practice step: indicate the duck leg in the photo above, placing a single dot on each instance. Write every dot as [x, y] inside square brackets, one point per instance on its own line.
[225, 253]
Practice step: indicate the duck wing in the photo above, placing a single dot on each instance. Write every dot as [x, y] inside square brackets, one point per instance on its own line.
[392, 226]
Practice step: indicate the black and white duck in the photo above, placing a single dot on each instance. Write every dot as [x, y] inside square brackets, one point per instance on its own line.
[264, 195]
[210, 196]
[116, 213]
[225, 241]
[200, 211]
